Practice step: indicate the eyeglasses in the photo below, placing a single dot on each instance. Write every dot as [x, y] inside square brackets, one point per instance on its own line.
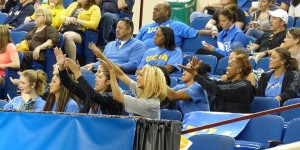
[38, 15]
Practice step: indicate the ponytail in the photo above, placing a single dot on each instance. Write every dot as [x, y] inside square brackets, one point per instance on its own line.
[230, 12]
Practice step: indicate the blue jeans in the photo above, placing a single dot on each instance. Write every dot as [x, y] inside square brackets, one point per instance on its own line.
[255, 33]
[107, 22]
[25, 27]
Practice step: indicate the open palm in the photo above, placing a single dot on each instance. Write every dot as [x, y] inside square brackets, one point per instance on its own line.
[60, 57]
[74, 67]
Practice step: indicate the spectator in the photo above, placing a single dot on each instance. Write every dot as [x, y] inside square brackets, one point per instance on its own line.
[8, 53]
[213, 23]
[56, 8]
[283, 4]
[110, 10]
[32, 84]
[40, 38]
[161, 16]
[101, 95]
[227, 93]
[190, 95]
[273, 38]
[149, 89]
[231, 37]
[165, 53]
[17, 14]
[232, 56]
[260, 21]
[283, 81]
[125, 51]
[85, 14]
[294, 9]
[59, 99]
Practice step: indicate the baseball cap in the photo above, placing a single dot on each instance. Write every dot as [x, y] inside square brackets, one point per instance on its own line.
[281, 14]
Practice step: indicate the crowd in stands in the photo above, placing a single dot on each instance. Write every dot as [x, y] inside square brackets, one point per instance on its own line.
[153, 55]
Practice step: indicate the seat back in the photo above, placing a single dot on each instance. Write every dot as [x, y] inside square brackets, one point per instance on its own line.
[261, 129]
[3, 18]
[263, 64]
[193, 44]
[211, 142]
[291, 114]
[174, 82]
[292, 132]
[17, 36]
[66, 3]
[290, 23]
[297, 24]
[210, 60]
[247, 20]
[83, 51]
[263, 103]
[90, 78]
[199, 23]
[123, 86]
[2, 103]
[222, 65]
[168, 114]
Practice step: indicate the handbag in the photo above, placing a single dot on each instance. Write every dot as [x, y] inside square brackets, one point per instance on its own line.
[22, 46]
[70, 27]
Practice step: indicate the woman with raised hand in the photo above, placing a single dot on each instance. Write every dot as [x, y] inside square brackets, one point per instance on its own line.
[149, 89]
[190, 95]
[31, 84]
[282, 82]
[8, 53]
[228, 97]
[100, 95]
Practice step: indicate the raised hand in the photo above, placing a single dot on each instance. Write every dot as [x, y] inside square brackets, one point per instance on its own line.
[60, 56]
[196, 63]
[74, 67]
[97, 52]
[14, 81]
[107, 64]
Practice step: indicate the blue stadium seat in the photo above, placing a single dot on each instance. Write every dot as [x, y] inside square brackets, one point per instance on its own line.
[17, 36]
[83, 51]
[200, 23]
[297, 24]
[291, 114]
[290, 23]
[222, 65]
[170, 114]
[3, 18]
[244, 4]
[2, 103]
[207, 59]
[252, 62]
[263, 63]
[247, 20]
[264, 103]
[90, 78]
[66, 3]
[292, 132]
[123, 86]
[258, 131]
[193, 44]
[211, 142]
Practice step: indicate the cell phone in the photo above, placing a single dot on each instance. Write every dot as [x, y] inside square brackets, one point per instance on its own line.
[204, 43]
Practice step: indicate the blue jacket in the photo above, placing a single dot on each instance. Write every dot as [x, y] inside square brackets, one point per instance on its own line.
[18, 14]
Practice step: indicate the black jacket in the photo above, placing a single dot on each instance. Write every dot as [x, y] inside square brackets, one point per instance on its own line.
[290, 85]
[84, 91]
[235, 97]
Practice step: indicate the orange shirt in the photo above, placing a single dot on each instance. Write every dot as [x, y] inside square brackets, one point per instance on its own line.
[5, 56]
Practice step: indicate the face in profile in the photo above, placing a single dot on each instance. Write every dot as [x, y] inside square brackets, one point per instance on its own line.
[101, 80]
[122, 30]
[159, 39]
[25, 86]
[186, 76]
[275, 61]
[232, 69]
[55, 86]
[140, 79]
[159, 12]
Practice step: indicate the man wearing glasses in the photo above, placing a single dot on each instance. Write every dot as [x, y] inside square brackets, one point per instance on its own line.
[273, 38]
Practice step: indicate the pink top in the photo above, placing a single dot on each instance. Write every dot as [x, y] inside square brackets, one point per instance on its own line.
[5, 56]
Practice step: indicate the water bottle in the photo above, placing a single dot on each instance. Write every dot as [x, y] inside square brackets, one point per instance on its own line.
[251, 46]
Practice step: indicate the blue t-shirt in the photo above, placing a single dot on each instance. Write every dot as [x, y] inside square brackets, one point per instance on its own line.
[181, 32]
[70, 107]
[16, 104]
[198, 101]
[273, 88]
[278, 2]
[161, 57]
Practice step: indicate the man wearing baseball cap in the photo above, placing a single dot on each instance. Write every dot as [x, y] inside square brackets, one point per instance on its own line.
[273, 38]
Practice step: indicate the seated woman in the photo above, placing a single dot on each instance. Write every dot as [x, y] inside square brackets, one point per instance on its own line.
[100, 95]
[165, 53]
[40, 38]
[18, 13]
[56, 8]
[260, 21]
[214, 22]
[149, 89]
[85, 14]
[9, 57]
[31, 84]
[232, 56]
[228, 97]
[283, 81]
[229, 38]
[190, 95]
[59, 98]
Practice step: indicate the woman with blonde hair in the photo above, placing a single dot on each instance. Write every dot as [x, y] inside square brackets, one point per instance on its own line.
[40, 38]
[149, 89]
[32, 84]
[8, 53]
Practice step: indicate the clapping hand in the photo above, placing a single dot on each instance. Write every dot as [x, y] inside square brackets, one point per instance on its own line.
[97, 52]
[193, 66]
[74, 67]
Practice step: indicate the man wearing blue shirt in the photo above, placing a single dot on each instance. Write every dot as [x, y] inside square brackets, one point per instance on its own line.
[161, 16]
[125, 51]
